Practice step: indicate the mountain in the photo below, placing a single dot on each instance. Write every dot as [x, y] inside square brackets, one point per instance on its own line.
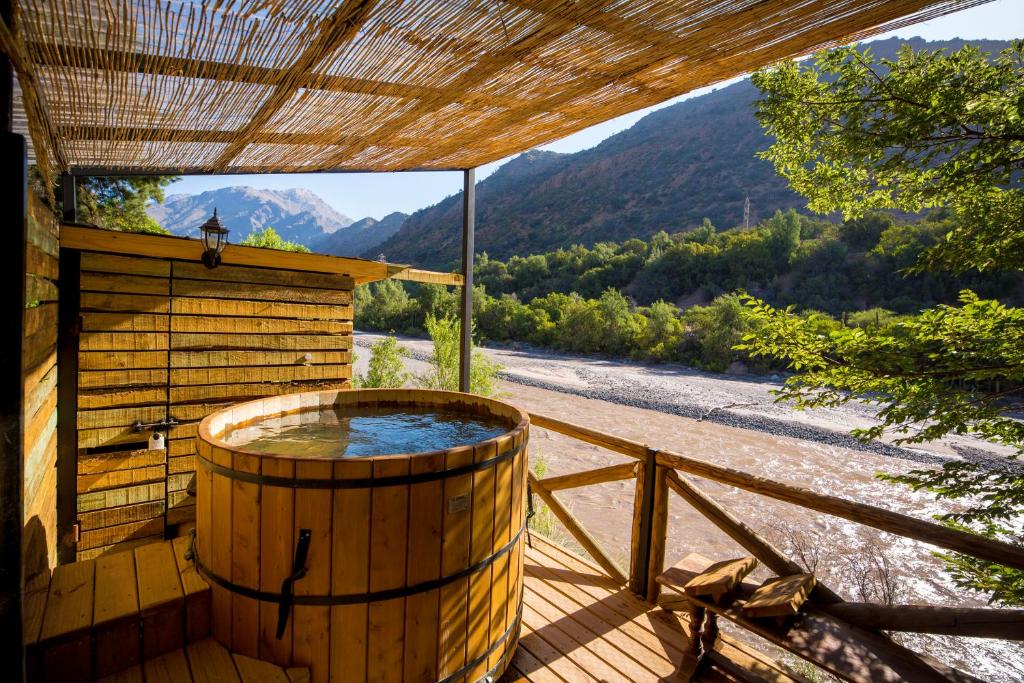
[673, 168]
[297, 215]
[362, 236]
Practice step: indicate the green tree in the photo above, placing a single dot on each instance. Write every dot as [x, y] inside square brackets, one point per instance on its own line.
[267, 238]
[444, 361]
[114, 203]
[928, 129]
[386, 369]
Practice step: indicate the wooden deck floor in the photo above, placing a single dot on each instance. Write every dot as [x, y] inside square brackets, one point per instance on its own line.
[579, 626]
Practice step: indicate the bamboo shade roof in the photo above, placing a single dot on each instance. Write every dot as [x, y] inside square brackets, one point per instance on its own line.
[232, 86]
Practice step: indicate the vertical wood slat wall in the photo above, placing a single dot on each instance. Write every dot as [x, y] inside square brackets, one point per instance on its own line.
[169, 338]
[39, 367]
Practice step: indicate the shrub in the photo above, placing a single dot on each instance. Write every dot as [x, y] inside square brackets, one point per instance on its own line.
[444, 361]
[386, 371]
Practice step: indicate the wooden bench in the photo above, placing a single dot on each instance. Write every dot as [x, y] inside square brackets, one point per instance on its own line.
[844, 650]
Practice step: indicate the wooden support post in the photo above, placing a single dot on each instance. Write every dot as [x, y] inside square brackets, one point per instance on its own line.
[14, 187]
[643, 510]
[69, 198]
[659, 530]
[68, 304]
[573, 526]
[468, 226]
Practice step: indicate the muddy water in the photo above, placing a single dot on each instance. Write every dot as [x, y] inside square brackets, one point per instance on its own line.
[845, 552]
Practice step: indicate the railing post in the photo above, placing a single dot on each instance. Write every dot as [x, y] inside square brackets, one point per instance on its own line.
[650, 519]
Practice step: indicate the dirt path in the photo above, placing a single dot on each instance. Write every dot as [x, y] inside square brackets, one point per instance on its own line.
[838, 546]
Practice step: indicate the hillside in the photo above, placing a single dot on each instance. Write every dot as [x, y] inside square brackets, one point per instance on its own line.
[297, 215]
[673, 168]
[362, 236]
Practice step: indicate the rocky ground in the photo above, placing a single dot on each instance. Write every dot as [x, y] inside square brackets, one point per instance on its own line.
[734, 421]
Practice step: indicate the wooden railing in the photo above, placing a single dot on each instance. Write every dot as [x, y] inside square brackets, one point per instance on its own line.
[658, 471]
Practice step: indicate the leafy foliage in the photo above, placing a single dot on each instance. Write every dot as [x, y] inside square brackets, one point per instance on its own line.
[267, 238]
[444, 361]
[386, 370]
[114, 203]
[924, 130]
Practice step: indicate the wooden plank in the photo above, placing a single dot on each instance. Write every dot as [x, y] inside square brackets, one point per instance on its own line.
[111, 436]
[781, 596]
[626, 470]
[271, 342]
[119, 478]
[112, 461]
[573, 526]
[211, 662]
[429, 277]
[287, 373]
[249, 292]
[115, 302]
[116, 614]
[128, 265]
[571, 650]
[556, 661]
[297, 674]
[270, 273]
[502, 596]
[37, 587]
[254, 671]
[65, 644]
[163, 246]
[169, 668]
[123, 546]
[233, 393]
[130, 495]
[388, 546]
[124, 284]
[868, 515]
[132, 674]
[123, 341]
[181, 465]
[260, 309]
[245, 558]
[455, 547]
[219, 324]
[120, 417]
[161, 599]
[121, 397]
[426, 505]
[350, 567]
[238, 359]
[122, 378]
[125, 322]
[719, 578]
[111, 535]
[311, 634]
[974, 622]
[196, 591]
[120, 515]
[591, 436]
[277, 551]
[119, 360]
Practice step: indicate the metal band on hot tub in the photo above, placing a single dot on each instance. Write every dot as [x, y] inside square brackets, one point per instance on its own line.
[357, 598]
[352, 483]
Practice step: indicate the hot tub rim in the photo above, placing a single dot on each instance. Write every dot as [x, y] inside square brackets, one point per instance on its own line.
[204, 432]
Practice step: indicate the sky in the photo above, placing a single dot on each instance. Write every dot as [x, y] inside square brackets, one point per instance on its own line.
[358, 195]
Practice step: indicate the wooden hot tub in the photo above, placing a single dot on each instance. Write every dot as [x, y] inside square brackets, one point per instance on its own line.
[413, 561]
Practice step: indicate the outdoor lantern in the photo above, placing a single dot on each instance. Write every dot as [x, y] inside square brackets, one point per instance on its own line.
[215, 238]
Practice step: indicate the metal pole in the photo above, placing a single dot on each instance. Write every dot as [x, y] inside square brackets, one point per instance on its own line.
[468, 220]
[69, 197]
[14, 200]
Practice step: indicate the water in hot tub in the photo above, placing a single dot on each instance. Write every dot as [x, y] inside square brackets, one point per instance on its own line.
[363, 431]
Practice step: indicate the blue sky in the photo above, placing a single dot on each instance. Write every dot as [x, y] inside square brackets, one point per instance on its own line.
[376, 194]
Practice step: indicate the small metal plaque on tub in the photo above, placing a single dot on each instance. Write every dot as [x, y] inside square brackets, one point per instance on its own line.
[458, 503]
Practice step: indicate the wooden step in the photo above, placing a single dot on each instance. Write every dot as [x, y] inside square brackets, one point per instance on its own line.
[206, 661]
[720, 578]
[781, 596]
[98, 617]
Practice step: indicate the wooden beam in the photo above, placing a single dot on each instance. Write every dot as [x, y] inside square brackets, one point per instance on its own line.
[166, 246]
[342, 27]
[626, 470]
[618, 444]
[974, 622]
[868, 515]
[429, 277]
[573, 526]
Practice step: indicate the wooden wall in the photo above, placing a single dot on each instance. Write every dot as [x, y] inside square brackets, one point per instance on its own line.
[39, 359]
[171, 338]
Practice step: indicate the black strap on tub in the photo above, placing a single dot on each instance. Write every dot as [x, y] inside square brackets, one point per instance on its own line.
[352, 598]
[353, 483]
[298, 571]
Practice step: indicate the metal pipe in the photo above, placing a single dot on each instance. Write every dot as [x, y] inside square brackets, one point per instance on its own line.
[468, 227]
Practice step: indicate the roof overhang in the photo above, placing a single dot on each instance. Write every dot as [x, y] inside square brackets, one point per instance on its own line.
[249, 86]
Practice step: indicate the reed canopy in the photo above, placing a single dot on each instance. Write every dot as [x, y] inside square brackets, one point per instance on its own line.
[232, 86]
